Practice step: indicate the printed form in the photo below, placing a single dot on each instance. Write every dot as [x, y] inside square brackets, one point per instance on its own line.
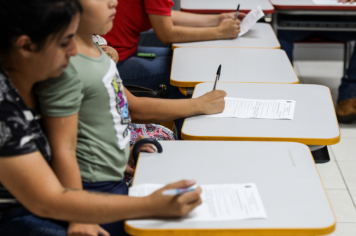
[219, 202]
[331, 2]
[258, 109]
[250, 20]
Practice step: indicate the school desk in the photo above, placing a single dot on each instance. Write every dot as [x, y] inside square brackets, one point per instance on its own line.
[261, 35]
[284, 173]
[191, 66]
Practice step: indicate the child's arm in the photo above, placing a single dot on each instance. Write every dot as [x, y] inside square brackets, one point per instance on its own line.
[202, 20]
[168, 32]
[33, 183]
[154, 110]
[62, 136]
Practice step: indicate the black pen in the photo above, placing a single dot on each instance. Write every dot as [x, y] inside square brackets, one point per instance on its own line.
[237, 11]
[217, 76]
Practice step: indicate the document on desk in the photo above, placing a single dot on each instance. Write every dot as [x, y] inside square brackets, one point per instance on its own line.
[258, 109]
[331, 2]
[220, 202]
[250, 20]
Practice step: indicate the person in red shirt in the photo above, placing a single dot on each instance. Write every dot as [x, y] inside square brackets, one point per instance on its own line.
[136, 16]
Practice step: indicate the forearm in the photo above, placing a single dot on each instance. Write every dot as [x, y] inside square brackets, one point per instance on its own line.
[152, 110]
[66, 168]
[91, 207]
[195, 20]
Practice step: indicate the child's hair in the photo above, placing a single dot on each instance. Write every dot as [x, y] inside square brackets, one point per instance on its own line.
[37, 19]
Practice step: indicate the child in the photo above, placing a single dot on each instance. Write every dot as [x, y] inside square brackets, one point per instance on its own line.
[87, 113]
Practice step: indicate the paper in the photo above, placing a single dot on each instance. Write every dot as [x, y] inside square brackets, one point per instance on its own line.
[250, 20]
[258, 109]
[219, 202]
[331, 2]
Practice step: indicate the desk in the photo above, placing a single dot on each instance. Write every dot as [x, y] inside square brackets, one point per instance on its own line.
[221, 6]
[260, 36]
[314, 120]
[285, 175]
[288, 15]
[192, 66]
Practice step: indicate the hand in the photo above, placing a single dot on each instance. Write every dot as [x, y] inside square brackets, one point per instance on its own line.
[111, 53]
[76, 229]
[174, 206]
[228, 29]
[144, 148]
[345, 1]
[212, 102]
[230, 15]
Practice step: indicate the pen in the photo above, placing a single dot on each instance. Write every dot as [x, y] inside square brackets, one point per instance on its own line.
[217, 76]
[177, 191]
[237, 11]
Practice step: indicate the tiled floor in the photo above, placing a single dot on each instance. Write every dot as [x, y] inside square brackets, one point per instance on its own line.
[339, 175]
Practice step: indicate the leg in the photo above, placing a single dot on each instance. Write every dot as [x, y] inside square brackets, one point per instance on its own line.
[149, 72]
[288, 37]
[115, 228]
[22, 222]
[149, 39]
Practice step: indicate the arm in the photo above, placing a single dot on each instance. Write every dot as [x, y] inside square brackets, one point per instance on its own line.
[30, 179]
[154, 110]
[345, 1]
[167, 32]
[62, 136]
[202, 20]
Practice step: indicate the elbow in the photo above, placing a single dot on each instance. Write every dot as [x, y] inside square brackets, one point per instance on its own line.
[42, 209]
[166, 38]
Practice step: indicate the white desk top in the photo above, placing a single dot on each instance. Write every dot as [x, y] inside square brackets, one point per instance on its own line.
[280, 4]
[192, 66]
[260, 36]
[213, 6]
[314, 120]
[285, 175]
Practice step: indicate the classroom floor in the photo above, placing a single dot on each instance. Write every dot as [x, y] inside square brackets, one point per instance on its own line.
[339, 175]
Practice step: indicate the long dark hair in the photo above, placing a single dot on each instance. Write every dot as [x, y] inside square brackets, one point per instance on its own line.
[37, 19]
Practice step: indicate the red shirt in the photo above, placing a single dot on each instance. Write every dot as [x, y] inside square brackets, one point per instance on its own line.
[131, 19]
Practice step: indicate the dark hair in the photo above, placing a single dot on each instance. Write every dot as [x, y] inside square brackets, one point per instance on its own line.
[37, 19]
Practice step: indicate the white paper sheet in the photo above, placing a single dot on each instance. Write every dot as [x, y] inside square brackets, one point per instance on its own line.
[258, 109]
[220, 202]
[331, 2]
[250, 20]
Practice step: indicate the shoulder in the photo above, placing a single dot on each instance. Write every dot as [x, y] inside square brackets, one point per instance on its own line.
[158, 7]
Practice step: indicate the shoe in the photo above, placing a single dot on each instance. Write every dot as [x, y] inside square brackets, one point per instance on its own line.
[346, 111]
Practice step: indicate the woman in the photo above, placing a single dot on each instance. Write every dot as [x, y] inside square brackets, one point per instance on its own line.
[36, 44]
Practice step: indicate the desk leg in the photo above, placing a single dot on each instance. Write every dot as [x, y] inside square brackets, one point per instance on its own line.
[320, 154]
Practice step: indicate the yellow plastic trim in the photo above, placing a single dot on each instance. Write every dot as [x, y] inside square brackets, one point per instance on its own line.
[229, 232]
[183, 91]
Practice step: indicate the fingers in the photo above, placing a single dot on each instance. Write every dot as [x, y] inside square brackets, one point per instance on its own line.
[103, 232]
[221, 92]
[129, 170]
[180, 184]
[192, 205]
[148, 148]
[241, 15]
[191, 197]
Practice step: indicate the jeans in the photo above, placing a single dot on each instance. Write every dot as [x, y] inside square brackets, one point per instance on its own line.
[151, 72]
[21, 222]
[115, 228]
[347, 89]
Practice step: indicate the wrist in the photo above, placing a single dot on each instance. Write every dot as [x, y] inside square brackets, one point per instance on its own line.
[197, 106]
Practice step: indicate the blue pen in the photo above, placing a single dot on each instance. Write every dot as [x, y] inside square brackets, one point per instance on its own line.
[177, 191]
[237, 11]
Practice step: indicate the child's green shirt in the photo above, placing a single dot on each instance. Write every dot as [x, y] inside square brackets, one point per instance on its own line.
[92, 88]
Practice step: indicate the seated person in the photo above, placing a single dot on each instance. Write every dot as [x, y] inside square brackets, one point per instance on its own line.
[87, 113]
[136, 16]
[33, 47]
[346, 103]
